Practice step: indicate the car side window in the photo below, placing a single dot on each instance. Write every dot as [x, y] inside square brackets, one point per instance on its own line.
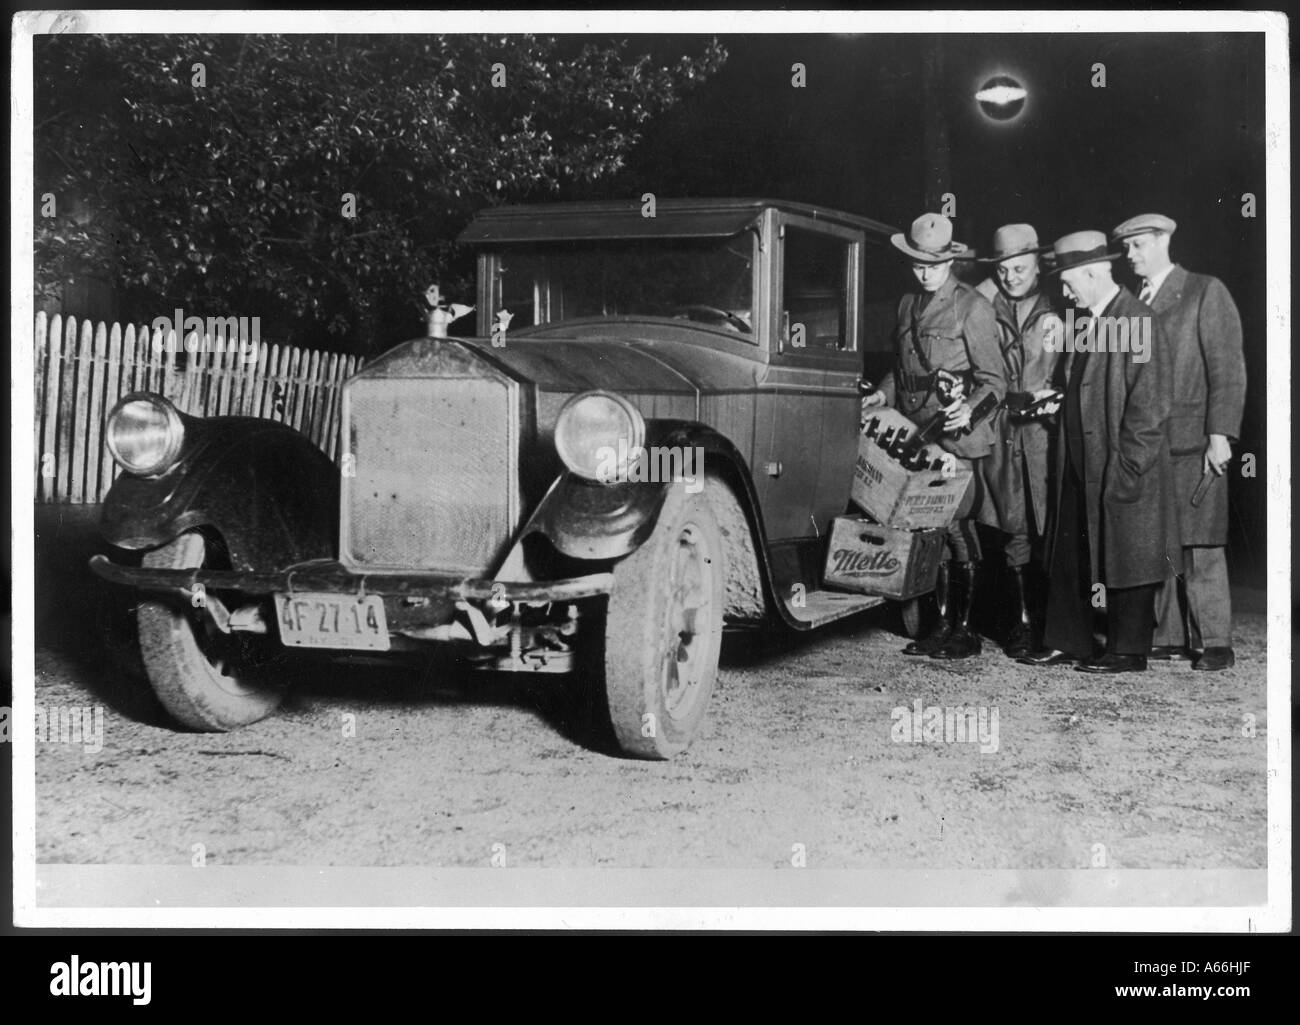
[816, 290]
[522, 281]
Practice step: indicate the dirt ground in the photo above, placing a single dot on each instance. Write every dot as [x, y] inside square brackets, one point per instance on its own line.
[802, 745]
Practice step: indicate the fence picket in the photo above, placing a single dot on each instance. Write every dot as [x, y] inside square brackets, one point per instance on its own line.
[239, 382]
[291, 387]
[284, 373]
[47, 451]
[312, 368]
[95, 421]
[82, 364]
[112, 392]
[265, 383]
[328, 389]
[41, 355]
[67, 398]
[256, 372]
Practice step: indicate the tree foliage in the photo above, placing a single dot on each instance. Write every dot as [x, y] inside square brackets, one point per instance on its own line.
[213, 172]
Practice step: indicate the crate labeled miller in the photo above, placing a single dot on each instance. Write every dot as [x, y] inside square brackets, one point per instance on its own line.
[872, 559]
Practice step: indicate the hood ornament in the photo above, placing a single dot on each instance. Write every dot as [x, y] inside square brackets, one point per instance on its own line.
[441, 312]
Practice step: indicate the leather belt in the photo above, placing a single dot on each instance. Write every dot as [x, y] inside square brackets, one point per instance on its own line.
[915, 382]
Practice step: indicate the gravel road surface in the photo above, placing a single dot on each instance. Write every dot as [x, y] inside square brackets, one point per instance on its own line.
[806, 743]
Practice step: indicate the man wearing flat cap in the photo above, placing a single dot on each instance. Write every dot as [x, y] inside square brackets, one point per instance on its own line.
[1202, 327]
[946, 344]
[1015, 473]
[1115, 521]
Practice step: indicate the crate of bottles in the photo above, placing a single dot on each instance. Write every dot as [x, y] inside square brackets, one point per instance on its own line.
[914, 496]
[866, 557]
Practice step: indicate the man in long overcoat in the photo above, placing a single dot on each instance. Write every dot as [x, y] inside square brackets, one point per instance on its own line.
[1116, 524]
[1201, 325]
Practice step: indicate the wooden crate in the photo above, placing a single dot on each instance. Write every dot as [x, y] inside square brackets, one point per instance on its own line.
[872, 559]
[896, 497]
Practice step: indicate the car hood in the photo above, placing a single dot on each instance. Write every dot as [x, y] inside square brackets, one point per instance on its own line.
[631, 357]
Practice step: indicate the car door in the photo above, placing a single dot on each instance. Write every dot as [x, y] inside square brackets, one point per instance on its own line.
[808, 440]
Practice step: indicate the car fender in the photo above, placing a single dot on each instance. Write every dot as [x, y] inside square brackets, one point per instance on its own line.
[265, 488]
[588, 520]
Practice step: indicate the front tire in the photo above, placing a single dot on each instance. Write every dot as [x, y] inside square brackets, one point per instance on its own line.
[207, 680]
[663, 630]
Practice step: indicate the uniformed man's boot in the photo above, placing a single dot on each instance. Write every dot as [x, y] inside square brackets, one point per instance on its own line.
[1020, 640]
[943, 595]
[963, 642]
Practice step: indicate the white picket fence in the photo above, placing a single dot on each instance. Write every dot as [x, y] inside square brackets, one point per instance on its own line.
[83, 369]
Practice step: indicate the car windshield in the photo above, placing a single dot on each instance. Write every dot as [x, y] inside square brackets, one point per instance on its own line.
[709, 281]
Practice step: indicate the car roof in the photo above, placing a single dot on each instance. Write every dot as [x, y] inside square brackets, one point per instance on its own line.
[623, 218]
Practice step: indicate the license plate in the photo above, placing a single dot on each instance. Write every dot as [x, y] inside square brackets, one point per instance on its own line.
[310, 620]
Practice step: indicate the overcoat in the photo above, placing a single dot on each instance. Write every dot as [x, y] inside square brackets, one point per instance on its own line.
[1125, 405]
[956, 331]
[1022, 449]
[1201, 326]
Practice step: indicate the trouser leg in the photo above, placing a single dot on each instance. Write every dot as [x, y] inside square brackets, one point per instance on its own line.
[963, 540]
[1069, 592]
[1019, 550]
[1171, 622]
[1130, 618]
[1209, 602]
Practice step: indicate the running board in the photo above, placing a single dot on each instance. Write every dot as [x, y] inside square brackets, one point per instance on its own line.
[817, 608]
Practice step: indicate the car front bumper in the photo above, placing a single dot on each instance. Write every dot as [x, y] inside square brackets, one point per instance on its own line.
[334, 577]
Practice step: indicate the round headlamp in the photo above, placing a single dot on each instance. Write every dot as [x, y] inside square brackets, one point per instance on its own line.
[144, 434]
[597, 434]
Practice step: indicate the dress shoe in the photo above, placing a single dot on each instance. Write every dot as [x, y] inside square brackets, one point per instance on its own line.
[1169, 653]
[1213, 659]
[1048, 657]
[1019, 642]
[1112, 663]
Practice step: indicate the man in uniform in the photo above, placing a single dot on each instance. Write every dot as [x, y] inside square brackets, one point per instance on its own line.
[1115, 522]
[946, 332]
[1015, 473]
[1203, 329]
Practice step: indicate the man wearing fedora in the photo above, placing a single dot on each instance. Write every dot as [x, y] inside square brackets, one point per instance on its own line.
[1115, 522]
[946, 333]
[1202, 328]
[1015, 473]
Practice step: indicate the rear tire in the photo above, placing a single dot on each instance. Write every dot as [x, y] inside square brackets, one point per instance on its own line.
[663, 630]
[207, 680]
[912, 617]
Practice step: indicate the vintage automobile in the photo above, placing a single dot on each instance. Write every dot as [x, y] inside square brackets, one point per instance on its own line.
[652, 450]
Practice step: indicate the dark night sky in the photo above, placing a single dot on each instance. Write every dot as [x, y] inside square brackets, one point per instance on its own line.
[1178, 128]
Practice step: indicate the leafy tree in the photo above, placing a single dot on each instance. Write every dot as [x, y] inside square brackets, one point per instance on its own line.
[214, 173]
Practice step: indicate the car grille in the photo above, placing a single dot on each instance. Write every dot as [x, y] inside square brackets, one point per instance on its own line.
[434, 479]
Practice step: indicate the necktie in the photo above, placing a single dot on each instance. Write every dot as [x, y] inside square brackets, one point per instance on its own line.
[1146, 293]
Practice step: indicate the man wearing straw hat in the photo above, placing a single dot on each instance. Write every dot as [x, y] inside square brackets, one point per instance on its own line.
[1015, 473]
[1115, 519]
[1203, 328]
[946, 333]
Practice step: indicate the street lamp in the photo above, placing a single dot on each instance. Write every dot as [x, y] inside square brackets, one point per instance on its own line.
[1001, 98]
